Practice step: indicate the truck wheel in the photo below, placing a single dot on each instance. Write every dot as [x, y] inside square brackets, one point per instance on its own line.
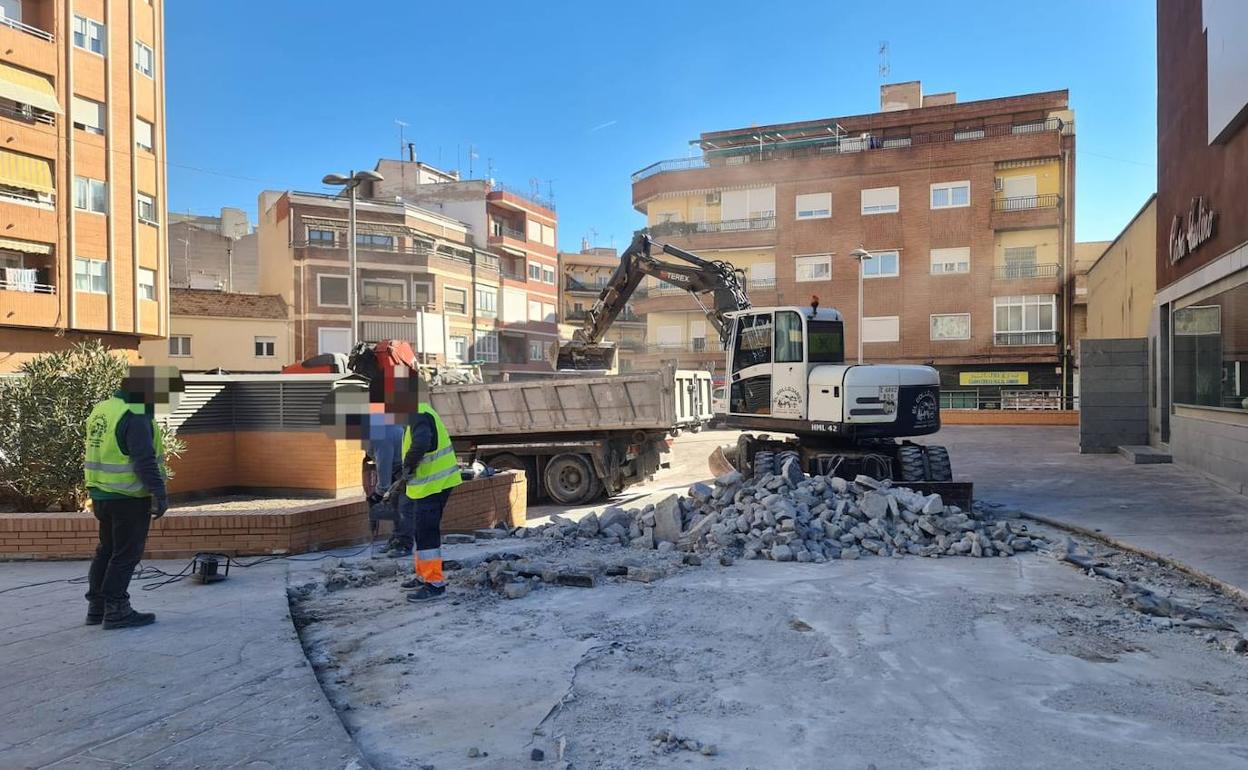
[569, 479]
[910, 458]
[510, 462]
[764, 463]
[938, 462]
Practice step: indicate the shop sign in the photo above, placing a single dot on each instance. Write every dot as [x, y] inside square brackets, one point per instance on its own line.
[992, 378]
[1186, 235]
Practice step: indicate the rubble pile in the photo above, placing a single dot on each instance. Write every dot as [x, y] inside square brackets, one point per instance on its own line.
[789, 516]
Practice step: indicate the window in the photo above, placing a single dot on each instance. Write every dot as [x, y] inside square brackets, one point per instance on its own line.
[668, 217]
[548, 235]
[951, 195]
[814, 206]
[459, 348]
[754, 203]
[486, 347]
[143, 134]
[548, 275]
[374, 240]
[487, 302]
[953, 326]
[333, 339]
[1208, 364]
[535, 231]
[789, 338]
[87, 115]
[959, 399]
[455, 300]
[90, 194]
[266, 347]
[670, 336]
[1025, 320]
[548, 313]
[331, 291]
[947, 261]
[422, 294]
[1020, 262]
[827, 341]
[886, 328]
[143, 58]
[536, 350]
[320, 237]
[180, 347]
[89, 35]
[883, 264]
[535, 271]
[147, 283]
[817, 267]
[147, 209]
[90, 275]
[753, 341]
[535, 310]
[881, 200]
[382, 293]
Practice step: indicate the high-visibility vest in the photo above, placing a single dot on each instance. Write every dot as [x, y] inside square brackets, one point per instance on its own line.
[107, 468]
[438, 469]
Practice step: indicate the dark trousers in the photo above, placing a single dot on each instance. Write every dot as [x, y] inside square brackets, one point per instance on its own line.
[420, 521]
[123, 534]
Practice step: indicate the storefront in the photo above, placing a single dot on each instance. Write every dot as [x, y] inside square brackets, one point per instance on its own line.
[1199, 331]
[1024, 387]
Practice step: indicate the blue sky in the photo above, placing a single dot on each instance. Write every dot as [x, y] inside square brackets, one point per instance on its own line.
[273, 94]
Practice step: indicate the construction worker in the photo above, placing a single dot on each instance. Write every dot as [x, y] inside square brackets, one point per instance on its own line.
[429, 461]
[125, 476]
[384, 442]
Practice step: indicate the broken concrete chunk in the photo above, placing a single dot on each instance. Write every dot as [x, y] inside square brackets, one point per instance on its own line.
[701, 492]
[577, 579]
[667, 520]
[516, 590]
[457, 539]
[730, 478]
[781, 553]
[644, 574]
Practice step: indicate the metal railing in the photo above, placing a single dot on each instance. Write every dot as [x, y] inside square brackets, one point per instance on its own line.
[397, 304]
[513, 276]
[528, 195]
[28, 114]
[1025, 271]
[856, 143]
[1024, 338]
[571, 284]
[29, 199]
[15, 24]
[487, 261]
[761, 283]
[723, 226]
[581, 315]
[503, 231]
[1027, 202]
[26, 288]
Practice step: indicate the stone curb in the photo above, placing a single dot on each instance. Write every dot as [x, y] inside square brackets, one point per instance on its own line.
[1229, 590]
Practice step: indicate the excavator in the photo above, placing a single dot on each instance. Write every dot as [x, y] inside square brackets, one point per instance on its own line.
[786, 374]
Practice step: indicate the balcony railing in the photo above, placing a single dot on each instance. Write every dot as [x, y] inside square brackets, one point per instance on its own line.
[762, 283]
[528, 195]
[571, 284]
[1023, 272]
[487, 261]
[395, 304]
[502, 231]
[513, 275]
[27, 198]
[581, 315]
[1024, 338]
[824, 145]
[724, 226]
[700, 345]
[28, 114]
[29, 30]
[28, 288]
[1026, 202]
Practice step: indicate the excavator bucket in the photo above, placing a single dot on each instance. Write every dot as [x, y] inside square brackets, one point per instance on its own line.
[578, 356]
[721, 461]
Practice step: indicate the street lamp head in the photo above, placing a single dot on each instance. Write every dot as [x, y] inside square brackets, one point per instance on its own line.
[860, 254]
[335, 179]
[367, 176]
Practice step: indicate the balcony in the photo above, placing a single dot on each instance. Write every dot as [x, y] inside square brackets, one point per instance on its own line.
[1026, 212]
[727, 225]
[573, 286]
[25, 113]
[25, 300]
[389, 304]
[26, 45]
[26, 28]
[729, 233]
[1025, 272]
[1024, 338]
[500, 192]
[625, 317]
[511, 275]
[503, 231]
[419, 255]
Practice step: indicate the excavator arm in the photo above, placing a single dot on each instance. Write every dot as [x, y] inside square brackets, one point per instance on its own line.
[715, 280]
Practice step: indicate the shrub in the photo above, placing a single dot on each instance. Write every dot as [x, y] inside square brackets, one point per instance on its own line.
[42, 416]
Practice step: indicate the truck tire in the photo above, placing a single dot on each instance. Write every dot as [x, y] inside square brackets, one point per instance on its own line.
[569, 479]
[764, 463]
[910, 460]
[940, 469]
[510, 462]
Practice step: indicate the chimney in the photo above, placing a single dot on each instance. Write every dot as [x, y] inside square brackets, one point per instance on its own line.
[411, 152]
[901, 96]
[938, 100]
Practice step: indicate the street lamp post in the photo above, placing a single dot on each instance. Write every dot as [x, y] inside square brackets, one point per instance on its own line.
[861, 255]
[351, 182]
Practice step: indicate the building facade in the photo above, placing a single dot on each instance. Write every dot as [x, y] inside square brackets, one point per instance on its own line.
[219, 253]
[1199, 333]
[210, 330]
[82, 175]
[1122, 281]
[584, 275]
[967, 208]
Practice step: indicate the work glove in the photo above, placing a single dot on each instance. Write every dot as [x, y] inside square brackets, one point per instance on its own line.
[375, 498]
[159, 506]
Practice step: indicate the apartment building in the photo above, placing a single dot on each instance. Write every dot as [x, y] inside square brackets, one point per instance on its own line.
[214, 252]
[584, 275]
[82, 182]
[212, 330]
[967, 209]
[519, 230]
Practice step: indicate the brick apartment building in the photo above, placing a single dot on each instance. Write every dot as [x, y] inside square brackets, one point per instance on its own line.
[584, 274]
[82, 182]
[967, 207]
[214, 253]
[456, 292]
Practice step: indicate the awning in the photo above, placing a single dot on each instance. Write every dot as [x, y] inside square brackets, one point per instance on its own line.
[26, 172]
[29, 247]
[28, 88]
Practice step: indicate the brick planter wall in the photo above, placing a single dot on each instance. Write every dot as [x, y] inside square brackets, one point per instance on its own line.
[1007, 417]
[482, 503]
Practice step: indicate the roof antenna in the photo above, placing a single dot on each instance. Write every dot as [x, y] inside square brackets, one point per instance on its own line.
[884, 68]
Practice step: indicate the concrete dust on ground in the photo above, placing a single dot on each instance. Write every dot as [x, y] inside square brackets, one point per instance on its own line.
[952, 662]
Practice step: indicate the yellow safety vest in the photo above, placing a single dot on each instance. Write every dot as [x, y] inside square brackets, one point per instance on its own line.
[438, 469]
[107, 468]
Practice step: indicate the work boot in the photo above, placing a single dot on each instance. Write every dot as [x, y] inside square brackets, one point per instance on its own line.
[426, 593]
[415, 581]
[398, 549]
[95, 612]
[122, 615]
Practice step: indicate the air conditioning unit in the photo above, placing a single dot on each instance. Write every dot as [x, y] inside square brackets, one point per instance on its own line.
[712, 199]
[998, 184]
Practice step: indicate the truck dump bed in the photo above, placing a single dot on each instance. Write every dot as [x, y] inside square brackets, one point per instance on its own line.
[634, 401]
